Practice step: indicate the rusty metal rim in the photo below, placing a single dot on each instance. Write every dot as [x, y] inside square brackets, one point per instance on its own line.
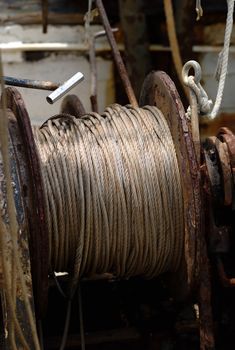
[222, 150]
[223, 154]
[159, 90]
[38, 232]
[23, 201]
[213, 173]
[227, 136]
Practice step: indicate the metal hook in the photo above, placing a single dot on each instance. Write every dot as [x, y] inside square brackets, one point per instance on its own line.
[197, 72]
[193, 82]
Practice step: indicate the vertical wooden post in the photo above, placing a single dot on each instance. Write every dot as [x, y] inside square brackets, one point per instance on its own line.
[134, 26]
[185, 19]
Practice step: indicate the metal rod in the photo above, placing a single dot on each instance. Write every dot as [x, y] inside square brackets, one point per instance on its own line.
[32, 84]
[64, 88]
[58, 46]
[116, 55]
[21, 47]
[58, 89]
[93, 67]
[93, 70]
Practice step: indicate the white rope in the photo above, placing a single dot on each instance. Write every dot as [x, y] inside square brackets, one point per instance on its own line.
[224, 64]
[205, 105]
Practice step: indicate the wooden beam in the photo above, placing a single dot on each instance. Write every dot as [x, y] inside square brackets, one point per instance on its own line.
[36, 18]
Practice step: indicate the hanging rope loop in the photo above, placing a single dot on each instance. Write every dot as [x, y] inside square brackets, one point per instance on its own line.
[205, 105]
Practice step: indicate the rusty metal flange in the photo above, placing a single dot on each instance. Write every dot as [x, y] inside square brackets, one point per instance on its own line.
[222, 150]
[38, 238]
[227, 136]
[213, 172]
[159, 90]
[20, 178]
[219, 171]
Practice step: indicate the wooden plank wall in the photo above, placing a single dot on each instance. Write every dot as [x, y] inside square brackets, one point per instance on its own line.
[29, 11]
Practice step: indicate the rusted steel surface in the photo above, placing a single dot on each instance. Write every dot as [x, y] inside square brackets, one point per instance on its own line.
[219, 189]
[38, 234]
[207, 340]
[220, 161]
[220, 173]
[159, 90]
[23, 201]
[71, 104]
[134, 27]
[227, 136]
[226, 171]
[220, 192]
[217, 236]
[212, 164]
[31, 84]
[116, 55]
[211, 129]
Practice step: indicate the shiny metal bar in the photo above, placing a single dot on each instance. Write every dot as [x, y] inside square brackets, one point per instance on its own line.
[64, 88]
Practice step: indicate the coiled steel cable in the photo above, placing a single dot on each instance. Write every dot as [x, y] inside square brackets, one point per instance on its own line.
[113, 193]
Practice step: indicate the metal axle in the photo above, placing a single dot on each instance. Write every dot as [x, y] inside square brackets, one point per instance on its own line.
[59, 90]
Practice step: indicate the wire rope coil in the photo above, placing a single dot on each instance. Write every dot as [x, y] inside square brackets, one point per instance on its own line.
[113, 193]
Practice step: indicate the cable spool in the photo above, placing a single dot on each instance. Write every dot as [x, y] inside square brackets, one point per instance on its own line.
[161, 91]
[113, 193]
